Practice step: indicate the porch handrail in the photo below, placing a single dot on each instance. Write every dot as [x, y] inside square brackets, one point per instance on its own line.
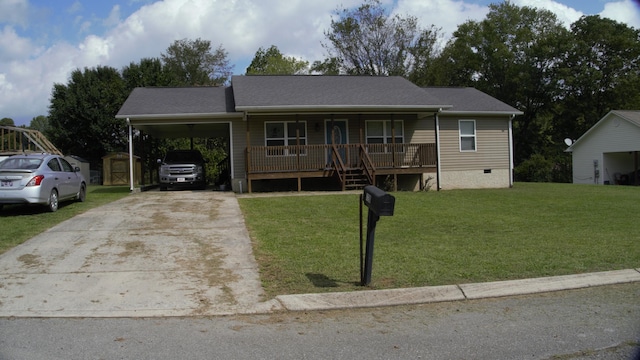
[319, 157]
[338, 165]
[367, 165]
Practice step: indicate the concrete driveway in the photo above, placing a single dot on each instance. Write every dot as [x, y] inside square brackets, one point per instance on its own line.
[175, 253]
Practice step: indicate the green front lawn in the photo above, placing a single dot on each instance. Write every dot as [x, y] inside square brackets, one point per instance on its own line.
[311, 243]
[19, 223]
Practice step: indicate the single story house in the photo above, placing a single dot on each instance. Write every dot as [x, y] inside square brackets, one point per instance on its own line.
[608, 152]
[353, 130]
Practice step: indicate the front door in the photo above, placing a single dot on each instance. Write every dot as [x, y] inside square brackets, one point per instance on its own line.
[340, 136]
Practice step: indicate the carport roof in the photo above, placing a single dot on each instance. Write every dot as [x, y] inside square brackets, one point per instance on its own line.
[165, 102]
[176, 112]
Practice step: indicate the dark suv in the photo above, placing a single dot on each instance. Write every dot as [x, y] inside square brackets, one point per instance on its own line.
[182, 168]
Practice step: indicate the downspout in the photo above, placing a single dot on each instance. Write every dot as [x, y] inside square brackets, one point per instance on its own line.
[438, 170]
[511, 167]
[130, 155]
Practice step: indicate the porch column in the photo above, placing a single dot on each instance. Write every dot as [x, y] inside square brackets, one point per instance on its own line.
[635, 168]
[298, 152]
[247, 152]
[130, 155]
[393, 152]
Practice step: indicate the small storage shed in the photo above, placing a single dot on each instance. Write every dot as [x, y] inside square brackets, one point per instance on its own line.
[115, 167]
[608, 153]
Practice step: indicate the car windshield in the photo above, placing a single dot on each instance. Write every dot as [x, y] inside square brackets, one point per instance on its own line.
[182, 156]
[20, 164]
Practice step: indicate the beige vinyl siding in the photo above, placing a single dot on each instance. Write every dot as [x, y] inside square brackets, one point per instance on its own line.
[419, 131]
[238, 129]
[492, 144]
[423, 130]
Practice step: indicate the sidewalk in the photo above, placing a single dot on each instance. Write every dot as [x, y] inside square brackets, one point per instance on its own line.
[423, 295]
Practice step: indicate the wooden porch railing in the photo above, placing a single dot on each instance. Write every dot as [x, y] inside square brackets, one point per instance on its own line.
[368, 168]
[338, 165]
[369, 157]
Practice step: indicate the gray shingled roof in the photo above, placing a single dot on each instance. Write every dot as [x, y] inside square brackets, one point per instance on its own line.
[305, 93]
[632, 116]
[183, 101]
[317, 93]
[467, 99]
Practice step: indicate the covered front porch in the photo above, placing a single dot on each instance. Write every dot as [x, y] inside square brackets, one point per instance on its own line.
[353, 165]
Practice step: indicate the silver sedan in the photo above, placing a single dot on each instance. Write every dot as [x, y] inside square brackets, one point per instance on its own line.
[40, 179]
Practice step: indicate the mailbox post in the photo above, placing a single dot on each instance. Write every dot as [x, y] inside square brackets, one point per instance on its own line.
[380, 204]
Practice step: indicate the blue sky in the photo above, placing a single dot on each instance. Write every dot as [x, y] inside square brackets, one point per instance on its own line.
[42, 41]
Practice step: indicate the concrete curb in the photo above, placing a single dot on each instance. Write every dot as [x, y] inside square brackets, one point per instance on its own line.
[431, 294]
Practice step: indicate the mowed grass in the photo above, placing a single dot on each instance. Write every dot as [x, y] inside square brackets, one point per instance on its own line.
[311, 243]
[19, 223]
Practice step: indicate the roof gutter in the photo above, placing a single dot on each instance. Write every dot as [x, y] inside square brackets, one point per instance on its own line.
[340, 108]
[181, 116]
[510, 113]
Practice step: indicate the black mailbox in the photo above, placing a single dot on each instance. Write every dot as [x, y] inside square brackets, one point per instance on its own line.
[379, 201]
[380, 204]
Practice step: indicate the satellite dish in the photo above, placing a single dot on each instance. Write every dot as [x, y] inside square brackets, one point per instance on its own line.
[568, 141]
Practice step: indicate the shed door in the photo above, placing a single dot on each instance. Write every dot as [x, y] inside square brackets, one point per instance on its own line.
[119, 171]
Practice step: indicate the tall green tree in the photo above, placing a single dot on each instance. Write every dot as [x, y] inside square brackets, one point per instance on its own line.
[513, 55]
[330, 66]
[272, 62]
[82, 114]
[600, 72]
[7, 122]
[147, 72]
[40, 123]
[369, 41]
[193, 62]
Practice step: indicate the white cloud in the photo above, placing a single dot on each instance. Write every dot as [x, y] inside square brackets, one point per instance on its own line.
[565, 14]
[623, 11]
[75, 8]
[114, 17]
[13, 47]
[445, 14]
[14, 12]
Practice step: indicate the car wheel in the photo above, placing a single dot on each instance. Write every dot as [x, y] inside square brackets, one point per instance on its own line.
[52, 206]
[82, 194]
[163, 188]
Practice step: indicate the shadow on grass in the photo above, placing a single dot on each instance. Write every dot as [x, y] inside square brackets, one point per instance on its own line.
[28, 209]
[110, 190]
[323, 281]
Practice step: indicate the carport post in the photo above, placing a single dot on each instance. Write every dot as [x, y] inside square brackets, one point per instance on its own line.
[130, 156]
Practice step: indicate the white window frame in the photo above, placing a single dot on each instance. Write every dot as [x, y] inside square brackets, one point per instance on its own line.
[473, 136]
[286, 137]
[386, 138]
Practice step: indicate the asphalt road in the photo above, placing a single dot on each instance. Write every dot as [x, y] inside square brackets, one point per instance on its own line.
[593, 323]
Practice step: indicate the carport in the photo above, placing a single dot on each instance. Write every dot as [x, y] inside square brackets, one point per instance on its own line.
[189, 112]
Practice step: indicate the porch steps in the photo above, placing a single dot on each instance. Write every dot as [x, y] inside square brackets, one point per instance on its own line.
[355, 179]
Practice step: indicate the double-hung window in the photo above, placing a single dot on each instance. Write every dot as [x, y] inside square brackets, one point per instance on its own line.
[467, 135]
[283, 136]
[379, 132]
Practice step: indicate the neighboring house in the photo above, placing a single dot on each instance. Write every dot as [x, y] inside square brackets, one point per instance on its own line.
[608, 152]
[352, 130]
